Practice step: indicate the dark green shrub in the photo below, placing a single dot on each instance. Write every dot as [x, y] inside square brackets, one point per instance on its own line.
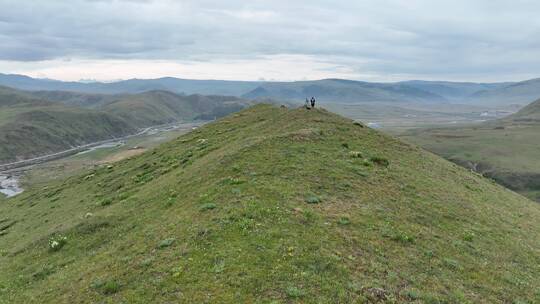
[380, 161]
[402, 238]
[469, 236]
[106, 287]
[111, 287]
[106, 202]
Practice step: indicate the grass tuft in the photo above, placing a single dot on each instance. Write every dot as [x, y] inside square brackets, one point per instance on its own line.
[109, 287]
[313, 199]
[380, 161]
[166, 243]
[294, 292]
[207, 206]
[344, 221]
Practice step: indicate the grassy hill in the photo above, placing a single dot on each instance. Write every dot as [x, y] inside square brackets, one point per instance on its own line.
[83, 100]
[505, 149]
[31, 127]
[152, 107]
[529, 114]
[158, 107]
[272, 205]
[11, 97]
[38, 123]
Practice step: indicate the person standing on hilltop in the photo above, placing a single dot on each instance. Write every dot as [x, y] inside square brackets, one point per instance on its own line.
[306, 105]
[313, 102]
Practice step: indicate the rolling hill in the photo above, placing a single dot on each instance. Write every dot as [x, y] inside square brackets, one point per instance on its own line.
[39, 123]
[31, 127]
[491, 148]
[159, 107]
[151, 107]
[71, 98]
[529, 114]
[272, 205]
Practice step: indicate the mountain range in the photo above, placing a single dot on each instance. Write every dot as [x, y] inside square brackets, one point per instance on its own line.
[327, 90]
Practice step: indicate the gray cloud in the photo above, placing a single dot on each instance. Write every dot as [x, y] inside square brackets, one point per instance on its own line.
[415, 38]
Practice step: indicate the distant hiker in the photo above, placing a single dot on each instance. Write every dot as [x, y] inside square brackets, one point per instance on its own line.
[313, 102]
[306, 105]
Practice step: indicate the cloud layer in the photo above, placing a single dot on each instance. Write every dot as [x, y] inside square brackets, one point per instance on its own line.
[373, 40]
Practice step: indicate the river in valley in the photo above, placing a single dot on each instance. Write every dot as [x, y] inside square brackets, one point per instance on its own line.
[10, 174]
[9, 185]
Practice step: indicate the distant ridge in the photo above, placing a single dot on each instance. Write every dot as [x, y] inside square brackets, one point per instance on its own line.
[340, 90]
[521, 92]
[329, 90]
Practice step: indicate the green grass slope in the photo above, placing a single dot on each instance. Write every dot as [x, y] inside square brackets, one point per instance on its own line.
[11, 97]
[80, 99]
[529, 114]
[505, 149]
[272, 205]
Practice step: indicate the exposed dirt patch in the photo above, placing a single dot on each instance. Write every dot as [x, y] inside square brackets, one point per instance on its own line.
[123, 155]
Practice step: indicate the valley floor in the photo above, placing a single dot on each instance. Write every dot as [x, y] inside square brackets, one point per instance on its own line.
[89, 156]
[509, 155]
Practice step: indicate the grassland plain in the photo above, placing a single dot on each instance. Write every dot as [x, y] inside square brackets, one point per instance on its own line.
[272, 205]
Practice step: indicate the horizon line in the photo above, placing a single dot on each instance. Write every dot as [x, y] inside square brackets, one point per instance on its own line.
[262, 80]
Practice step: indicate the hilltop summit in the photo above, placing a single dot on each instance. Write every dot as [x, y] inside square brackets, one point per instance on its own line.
[272, 205]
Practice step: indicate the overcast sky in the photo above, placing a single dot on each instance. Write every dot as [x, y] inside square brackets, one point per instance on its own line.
[379, 40]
